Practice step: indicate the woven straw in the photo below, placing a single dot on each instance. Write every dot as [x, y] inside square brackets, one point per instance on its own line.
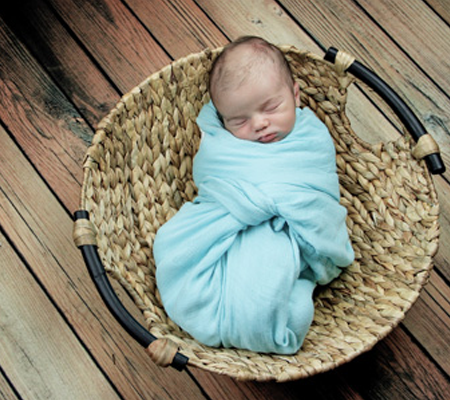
[138, 172]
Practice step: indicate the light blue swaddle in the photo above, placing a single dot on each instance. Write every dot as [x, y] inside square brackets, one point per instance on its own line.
[237, 267]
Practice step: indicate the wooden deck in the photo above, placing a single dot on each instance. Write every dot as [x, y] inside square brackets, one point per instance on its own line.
[64, 64]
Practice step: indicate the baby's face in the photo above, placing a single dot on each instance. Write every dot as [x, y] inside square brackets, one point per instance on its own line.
[262, 111]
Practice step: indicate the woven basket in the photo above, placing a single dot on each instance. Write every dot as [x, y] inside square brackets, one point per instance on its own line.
[138, 173]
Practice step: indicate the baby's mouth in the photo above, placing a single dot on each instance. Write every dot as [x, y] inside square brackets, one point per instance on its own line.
[270, 137]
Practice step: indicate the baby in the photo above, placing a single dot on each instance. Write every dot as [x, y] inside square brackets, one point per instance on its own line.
[252, 88]
[237, 267]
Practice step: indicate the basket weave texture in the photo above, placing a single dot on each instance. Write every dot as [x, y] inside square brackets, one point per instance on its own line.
[138, 173]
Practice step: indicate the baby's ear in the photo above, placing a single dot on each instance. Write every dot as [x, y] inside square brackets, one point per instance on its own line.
[297, 94]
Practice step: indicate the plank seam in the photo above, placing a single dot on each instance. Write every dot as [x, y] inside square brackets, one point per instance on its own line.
[84, 49]
[214, 23]
[423, 349]
[9, 382]
[436, 13]
[155, 39]
[396, 44]
[25, 155]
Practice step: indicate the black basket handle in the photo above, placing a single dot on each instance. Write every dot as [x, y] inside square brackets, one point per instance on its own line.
[155, 347]
[407, 117]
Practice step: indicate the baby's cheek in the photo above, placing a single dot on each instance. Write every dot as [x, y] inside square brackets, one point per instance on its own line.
[287, 122]
[293, 119]
[241, 133]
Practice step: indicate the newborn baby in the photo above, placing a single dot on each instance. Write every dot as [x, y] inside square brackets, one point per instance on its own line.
[237, 267]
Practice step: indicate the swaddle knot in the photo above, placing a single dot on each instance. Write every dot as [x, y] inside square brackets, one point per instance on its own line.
[243, 200]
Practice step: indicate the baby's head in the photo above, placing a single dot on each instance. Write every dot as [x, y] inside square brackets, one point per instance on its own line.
[252, 88]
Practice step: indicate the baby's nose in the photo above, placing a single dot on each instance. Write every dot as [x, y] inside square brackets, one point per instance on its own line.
[260, 122]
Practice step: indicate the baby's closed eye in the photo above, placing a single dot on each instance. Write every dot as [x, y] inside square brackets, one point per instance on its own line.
[237, 121]
[272, 107]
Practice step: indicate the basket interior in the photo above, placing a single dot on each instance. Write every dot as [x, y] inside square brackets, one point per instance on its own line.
[139, 173]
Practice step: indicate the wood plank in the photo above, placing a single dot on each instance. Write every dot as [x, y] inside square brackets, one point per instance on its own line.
[179, 25]
[48, 127]
[6, 391]
[429, 320]
[74, 70]
[442, 8]
[374, 48]
[419, 31]
[64, 60]
[442, 258]
[327, 386]
[396, 370]
[42, 232]
[42, 363]
[118, 42]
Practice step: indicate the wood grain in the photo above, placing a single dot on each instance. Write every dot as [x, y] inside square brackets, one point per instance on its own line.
[383, 369]
[441, 8]
[44, 123]
[38, 350]
[327, 386]
[59, 53]
[425, 45]
[429, 320]
[6, 391]
[179, 25]
[110, 33]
